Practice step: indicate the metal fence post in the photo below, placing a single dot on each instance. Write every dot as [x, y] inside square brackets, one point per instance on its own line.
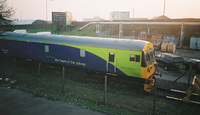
[63, 77]
[120, 30]
[38, 72]
[154, 100]
[14, 64]
[190, 72]
[105, 89]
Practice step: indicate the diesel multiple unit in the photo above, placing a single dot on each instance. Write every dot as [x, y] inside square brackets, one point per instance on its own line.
[125, 57]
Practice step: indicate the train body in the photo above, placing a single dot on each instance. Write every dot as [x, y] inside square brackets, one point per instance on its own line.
[126, 57]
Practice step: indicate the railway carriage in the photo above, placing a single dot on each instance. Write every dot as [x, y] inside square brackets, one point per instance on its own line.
[125, 57]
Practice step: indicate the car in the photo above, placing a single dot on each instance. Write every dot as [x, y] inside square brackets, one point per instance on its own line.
[169, 61]
[195, 65]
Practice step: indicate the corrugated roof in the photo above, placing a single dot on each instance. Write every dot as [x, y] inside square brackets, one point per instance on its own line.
[128, 44]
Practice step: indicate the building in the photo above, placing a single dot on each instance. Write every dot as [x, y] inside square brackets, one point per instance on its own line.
[62, 18]
[138, 19]
[162, 17]
[119, 15]
[69, 18]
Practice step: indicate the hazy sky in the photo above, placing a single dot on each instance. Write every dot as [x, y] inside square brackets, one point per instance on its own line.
[36, 9]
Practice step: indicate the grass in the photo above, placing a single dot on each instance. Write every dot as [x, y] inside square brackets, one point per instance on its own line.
[88, 92]
[89, 31]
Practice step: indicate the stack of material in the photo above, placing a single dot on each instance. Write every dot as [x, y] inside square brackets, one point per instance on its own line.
[171, 48]
[143, 36]
[164, 47]
[151, 37]
[168, 47]
[156, 38]
[171, 39]
[156, 46]
[195, 43]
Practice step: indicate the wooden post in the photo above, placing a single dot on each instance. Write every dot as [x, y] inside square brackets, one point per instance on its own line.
[14, 62]
[63, 77]
[38, 72]
[105, 89]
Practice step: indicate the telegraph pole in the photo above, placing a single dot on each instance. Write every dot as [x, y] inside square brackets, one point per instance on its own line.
[164, 8]
[47, 10]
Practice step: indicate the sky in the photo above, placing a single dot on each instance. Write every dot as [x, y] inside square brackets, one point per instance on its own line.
[36, 9]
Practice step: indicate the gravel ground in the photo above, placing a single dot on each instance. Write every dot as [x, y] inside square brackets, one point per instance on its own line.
[170, 76]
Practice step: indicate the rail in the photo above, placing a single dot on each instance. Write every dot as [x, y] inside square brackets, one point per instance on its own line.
[191, 95]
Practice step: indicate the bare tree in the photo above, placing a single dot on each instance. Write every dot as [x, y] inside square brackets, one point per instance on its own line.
[5, 13]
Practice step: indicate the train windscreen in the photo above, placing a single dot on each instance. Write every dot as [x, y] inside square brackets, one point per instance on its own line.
[148, 58]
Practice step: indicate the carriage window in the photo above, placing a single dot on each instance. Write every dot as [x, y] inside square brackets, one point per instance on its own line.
[111, 57]
[82, 53]
[46, 49]
[132, 57]
[137, 58]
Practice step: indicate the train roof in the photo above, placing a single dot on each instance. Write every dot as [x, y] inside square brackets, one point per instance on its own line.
[128, 44]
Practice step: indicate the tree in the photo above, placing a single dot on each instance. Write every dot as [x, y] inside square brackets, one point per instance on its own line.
[5, 13]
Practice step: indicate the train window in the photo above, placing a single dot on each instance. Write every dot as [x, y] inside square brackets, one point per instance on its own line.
[111, 57]
[137, 58]
[147, 57]
[46, 49]
[82, 53]
[132, 57]
[152, 56]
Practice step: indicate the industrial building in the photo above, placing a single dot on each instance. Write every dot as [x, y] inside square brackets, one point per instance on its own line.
[61, 18]
[95, 19]
[119, 15]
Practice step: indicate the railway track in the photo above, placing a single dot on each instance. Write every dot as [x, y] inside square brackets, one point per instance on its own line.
[177, 95]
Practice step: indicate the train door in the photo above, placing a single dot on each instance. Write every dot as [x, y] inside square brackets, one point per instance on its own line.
[111, 61]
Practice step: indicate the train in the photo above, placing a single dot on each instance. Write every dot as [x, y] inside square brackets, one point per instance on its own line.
[122, 57]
